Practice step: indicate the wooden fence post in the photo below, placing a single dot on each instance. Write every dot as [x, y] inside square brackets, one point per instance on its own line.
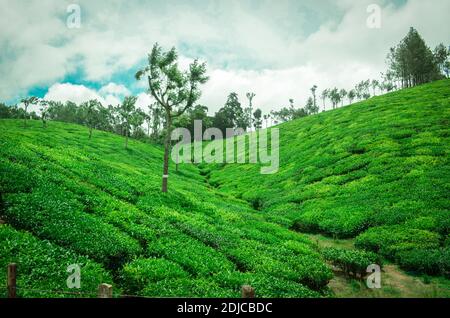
[12, 271]
[104, 291]
[248, 292]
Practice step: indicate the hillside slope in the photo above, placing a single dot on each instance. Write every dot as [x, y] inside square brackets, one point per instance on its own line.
[378, 170]
[66, 200]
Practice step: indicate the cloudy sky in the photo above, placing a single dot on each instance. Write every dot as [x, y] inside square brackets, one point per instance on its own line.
[275, 48]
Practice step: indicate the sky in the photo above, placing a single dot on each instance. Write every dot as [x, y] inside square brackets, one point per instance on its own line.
[277, 49]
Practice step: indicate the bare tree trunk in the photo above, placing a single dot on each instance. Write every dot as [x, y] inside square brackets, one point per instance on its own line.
[126, 139]
[25, 117]
[90, 132]
[166, 154]
[176, 163]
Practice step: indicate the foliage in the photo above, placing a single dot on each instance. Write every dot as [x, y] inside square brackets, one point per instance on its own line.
[139, 273]
[95, 198]
[412, 63]
[352, 262]
[42, 266]
[378, 167]
[428, 261]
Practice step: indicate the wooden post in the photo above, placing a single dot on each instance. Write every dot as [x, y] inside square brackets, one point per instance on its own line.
[248, 292]
[104, 291]
[12, 270]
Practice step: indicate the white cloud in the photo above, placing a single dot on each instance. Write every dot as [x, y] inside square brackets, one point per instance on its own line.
[114, 89]
[143, 101]
[69, 92]
[63, 92]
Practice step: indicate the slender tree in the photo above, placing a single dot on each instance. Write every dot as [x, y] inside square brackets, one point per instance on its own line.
[325, 95]
[126, 111]
[351, 96]
[342, 94]
[313, 91]
[335, 97]
[44, 112]
[174, 90]
[309, 107]
[441, 55]
[375, 84]
[257, 121]
[27, 102]
[250, 97]
[90, 111]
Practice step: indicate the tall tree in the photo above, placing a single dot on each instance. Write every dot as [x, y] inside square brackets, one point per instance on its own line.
[325, 95]
[231, 115]
[412, 62]
[126, 111]
[441, 55]
[26, 103]
[44, 112]
[136, 121]
[90, 111]
[313, 91]
[250, 97]
[309, 107]
[351, 96]
[335, 97]
[174, 90]
[257, 121]
[375, 84]
[342, 94]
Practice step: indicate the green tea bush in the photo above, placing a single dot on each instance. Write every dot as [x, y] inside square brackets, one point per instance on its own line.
[139, 273]
[351, 262]
[252, 256]
[389, 240]
[15, 177]
[431, 261]
[42, 266]
[194, 256]
[51, 214]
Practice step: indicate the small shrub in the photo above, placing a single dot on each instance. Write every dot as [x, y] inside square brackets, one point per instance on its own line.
[352, 262]
[431, 262]
[390, 240]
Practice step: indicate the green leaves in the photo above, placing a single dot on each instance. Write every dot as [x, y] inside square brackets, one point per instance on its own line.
[352, 262]
[174, 89]
[391, 240]
[142, 272]
[43, 265]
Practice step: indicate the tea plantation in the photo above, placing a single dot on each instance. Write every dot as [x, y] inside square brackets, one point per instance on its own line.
[377, 171]
[66, 200]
